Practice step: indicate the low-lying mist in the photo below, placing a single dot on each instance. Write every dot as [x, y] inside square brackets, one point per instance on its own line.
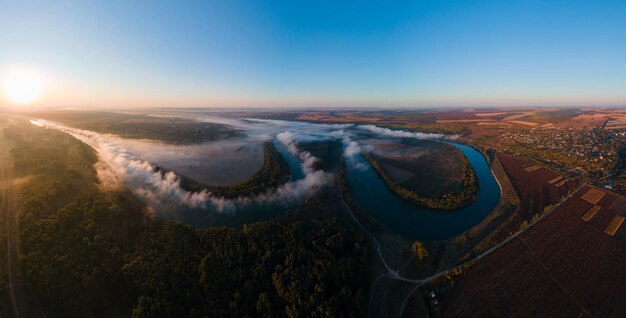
[130, 163]
[160, 189]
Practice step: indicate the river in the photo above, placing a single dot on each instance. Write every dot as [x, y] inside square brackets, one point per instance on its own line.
[417, 223]
[372, 195]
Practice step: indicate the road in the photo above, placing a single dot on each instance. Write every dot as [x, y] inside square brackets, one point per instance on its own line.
[372, 238]
[8, 210]
[497, 246]
[394, 274]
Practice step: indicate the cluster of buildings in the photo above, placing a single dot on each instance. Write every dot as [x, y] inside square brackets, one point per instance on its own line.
[594, 150]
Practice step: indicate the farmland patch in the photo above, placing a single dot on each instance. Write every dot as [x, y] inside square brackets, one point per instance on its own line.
[591, 213]
[562, 266]
[593, 196]
[614, 226]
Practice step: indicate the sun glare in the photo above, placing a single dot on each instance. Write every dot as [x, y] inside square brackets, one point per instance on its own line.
[22, 87]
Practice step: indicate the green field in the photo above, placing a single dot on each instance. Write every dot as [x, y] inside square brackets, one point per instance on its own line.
[441, 128]
[552, 116]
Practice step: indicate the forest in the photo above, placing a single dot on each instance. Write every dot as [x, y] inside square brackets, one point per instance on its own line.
[91, 252]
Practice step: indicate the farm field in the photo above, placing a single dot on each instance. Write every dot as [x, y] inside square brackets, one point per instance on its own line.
[273, 173]
[141, 126]
[346, 118]
[425, 167]
[537, 186]
[410, 176]
[569, 264]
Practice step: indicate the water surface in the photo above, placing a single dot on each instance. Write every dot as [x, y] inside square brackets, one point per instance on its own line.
[417, 223]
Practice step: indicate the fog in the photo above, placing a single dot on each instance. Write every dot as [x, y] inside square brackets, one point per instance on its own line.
[125, 162]
[219, 163]
[403, 133]
[135, 164]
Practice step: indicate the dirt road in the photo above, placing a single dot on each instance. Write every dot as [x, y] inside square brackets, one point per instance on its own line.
[394, 274]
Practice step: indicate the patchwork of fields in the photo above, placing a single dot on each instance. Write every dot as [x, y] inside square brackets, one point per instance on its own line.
[537, 186]
[570, 264]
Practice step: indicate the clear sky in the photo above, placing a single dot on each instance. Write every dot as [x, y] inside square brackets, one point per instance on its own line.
[139, 53]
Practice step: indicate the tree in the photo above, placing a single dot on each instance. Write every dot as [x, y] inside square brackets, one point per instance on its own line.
[523, 225]
[419, 250]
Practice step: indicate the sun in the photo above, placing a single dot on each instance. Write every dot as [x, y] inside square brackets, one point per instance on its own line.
[22, 86]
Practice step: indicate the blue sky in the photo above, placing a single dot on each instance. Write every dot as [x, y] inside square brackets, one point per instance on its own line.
[140, 53]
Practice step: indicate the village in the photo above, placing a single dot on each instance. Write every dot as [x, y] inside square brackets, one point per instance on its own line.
[595, 152]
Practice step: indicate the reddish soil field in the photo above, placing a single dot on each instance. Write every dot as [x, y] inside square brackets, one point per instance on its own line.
[561, 267]
[535, 184]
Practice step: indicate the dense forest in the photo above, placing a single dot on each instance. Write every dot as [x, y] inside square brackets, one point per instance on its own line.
[87, 252]
[447, 201]
[328, 153]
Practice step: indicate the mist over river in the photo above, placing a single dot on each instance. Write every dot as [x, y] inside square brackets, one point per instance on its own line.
[418, 223]
[133, 162]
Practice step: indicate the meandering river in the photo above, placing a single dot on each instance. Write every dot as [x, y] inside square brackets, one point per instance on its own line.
[372, 195]
[368, 189]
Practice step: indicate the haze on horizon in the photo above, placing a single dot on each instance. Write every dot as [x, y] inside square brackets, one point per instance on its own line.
[125, 54]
